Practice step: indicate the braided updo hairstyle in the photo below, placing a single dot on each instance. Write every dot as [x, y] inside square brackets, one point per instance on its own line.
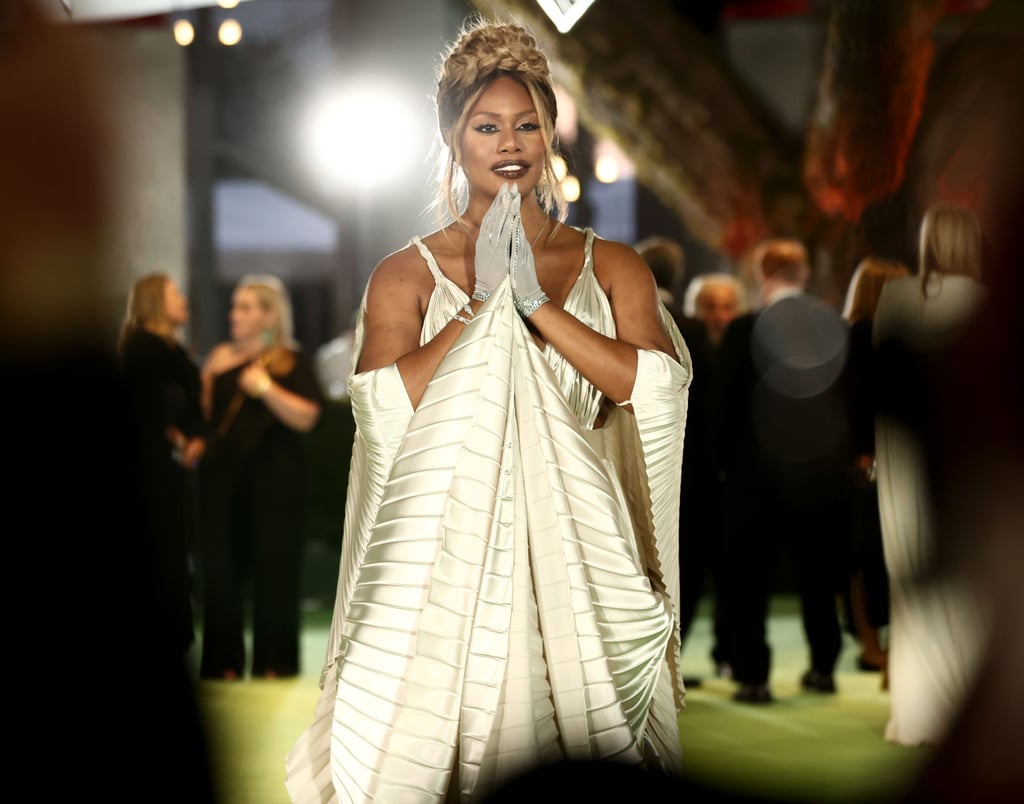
[482, 53]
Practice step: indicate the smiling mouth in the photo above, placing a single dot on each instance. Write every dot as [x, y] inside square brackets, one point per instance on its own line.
[511, 170]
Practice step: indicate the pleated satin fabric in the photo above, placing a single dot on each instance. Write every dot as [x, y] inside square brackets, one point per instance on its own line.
[508, 588]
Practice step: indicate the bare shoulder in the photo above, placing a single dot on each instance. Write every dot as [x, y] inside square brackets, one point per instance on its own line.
[633, 292]
[402, 265]
[402, 272]
[616, 262]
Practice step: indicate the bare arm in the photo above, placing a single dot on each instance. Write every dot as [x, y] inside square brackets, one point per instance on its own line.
[610, 364]
[396, 300]
[218, 361]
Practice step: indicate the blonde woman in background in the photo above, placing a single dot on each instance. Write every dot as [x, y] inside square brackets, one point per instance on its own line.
[866, 286]
[936, 624]
[508, 588]
[260, 395]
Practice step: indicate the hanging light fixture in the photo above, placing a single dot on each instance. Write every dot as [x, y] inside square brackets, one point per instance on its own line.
[565, 13]
[230, 31]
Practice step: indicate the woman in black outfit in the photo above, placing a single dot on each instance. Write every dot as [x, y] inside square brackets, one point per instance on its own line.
[260, 395]
[867, 599]
[162, 382]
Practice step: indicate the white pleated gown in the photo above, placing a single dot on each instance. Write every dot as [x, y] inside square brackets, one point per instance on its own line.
[508, 585]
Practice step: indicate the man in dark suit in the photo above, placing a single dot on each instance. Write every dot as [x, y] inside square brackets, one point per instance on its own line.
[779, 430]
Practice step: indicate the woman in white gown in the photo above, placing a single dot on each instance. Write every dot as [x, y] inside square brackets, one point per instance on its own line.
[936, 627]
[508, 586]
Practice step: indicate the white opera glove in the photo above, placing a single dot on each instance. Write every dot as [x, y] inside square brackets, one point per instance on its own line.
[493, 243]
[527, 294]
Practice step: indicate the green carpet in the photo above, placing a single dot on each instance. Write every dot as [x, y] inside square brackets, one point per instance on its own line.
[803, 748]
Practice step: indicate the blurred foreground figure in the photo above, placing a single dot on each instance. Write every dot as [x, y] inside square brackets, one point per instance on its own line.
[937, 624]
[87, 651]
[971, 435]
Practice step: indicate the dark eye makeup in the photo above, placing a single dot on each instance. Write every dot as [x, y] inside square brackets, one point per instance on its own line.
[492, 128]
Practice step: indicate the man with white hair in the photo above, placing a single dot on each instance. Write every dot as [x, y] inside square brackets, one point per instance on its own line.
[716, 299]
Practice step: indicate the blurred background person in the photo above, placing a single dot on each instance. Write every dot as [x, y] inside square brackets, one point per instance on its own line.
[779, 432]
[713, 299]
[667, 261]
[260, 395]
[699, 515]
[867, 599]
[716, 299]
[162, 381]
[937, 624]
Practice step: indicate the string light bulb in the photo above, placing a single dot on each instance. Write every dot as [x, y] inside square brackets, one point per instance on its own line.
[184, 33]
[227, 3]
[230, 32]
[571, 188]
[559, 167]
[610, 163]
[606, 169]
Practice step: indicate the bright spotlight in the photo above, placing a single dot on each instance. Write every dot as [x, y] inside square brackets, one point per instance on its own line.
[362, 136]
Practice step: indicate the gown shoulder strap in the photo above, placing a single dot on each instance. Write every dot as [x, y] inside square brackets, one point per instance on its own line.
[435, 269]
[588, 250]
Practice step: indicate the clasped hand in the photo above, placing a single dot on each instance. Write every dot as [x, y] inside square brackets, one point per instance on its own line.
[254, 379]
[503, 250]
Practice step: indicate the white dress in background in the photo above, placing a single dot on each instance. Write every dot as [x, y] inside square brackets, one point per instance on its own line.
[508, 587]
[936, 629]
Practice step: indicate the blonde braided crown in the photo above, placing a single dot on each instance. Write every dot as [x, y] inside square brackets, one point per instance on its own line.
[483, 52]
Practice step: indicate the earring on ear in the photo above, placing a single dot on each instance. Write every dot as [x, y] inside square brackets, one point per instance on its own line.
[267, 336]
